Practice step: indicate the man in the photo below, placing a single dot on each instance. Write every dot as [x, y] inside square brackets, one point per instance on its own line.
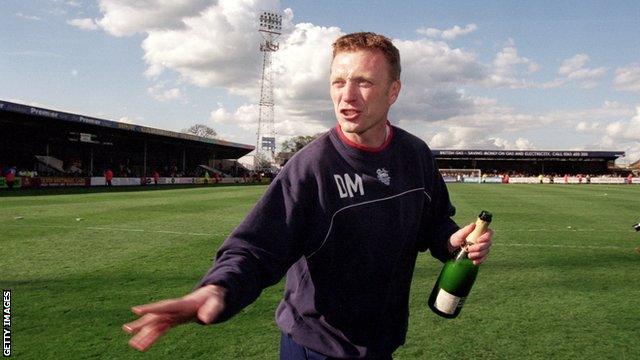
[10, 177]
[108, 177]
[344, 219]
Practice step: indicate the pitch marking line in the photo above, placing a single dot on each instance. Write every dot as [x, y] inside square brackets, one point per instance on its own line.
[561, 229]
[120, 229]
[566, 246]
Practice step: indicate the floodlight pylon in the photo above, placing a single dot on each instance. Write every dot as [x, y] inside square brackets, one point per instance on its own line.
[270, 28]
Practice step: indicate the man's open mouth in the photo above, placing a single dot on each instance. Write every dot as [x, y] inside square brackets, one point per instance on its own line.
[349, 113]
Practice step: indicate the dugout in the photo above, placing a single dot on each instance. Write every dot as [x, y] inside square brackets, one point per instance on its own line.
[529, 162]
[59, 143]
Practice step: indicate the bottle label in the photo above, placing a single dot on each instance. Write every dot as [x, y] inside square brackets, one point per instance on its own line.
[447, 303]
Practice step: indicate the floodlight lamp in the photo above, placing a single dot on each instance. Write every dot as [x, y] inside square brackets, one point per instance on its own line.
[270, 22]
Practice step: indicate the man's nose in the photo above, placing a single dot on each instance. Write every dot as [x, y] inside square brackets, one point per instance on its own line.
[350, 93]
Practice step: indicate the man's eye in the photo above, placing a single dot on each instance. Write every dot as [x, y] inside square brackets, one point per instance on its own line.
[337, 83]
[364, 83]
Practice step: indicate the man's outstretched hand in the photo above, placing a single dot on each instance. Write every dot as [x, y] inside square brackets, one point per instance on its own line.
[204, 304]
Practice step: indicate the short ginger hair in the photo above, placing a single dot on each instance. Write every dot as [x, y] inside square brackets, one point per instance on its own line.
[372, 42]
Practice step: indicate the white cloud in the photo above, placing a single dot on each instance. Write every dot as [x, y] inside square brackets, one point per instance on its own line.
[448, 34]
[627, 78]
[434, 72]
[511, 70]
[625, 130]
[574, 69]
[84, 24]
[27, 17]
[57, 12]
[431, 62]
[74, 72]
[123, 17]
[593, 118]
[491, 126]
[504, 144]
[588, 127]
[159, 93]
[219, 47]
[245, 117]
[621, 133]
[301, 71]
[523, 144]
[474, 137]
[73, 3]
[507, 68]
[625, 135]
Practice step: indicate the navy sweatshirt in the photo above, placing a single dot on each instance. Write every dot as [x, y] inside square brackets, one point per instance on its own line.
[345, 225]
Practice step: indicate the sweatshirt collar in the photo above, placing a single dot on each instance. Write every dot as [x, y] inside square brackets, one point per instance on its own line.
[378, 149]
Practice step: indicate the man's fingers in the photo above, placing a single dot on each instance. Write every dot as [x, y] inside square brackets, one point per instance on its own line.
[171, 305]
[157, 318]
[458, 238]
[477, 247]
[483, 242]
[478, 253]
[135, 326]
[486, 237]
[148, 335]
[211, 309]
[465, 231]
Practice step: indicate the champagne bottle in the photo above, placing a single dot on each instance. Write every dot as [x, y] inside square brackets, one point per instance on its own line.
[457, 275]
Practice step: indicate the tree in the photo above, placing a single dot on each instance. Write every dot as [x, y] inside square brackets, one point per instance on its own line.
[292, 146]
[263, 163]
[296, 143]
[202, 131]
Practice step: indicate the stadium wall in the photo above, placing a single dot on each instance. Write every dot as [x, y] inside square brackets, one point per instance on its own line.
[51, 182]
[547, 180]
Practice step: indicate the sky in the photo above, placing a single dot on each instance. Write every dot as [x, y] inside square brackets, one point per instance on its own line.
[514, 75]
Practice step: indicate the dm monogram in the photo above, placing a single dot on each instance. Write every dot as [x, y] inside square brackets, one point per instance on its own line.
[347, 186]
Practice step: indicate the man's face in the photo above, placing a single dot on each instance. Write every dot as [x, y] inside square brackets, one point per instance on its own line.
[362, 91]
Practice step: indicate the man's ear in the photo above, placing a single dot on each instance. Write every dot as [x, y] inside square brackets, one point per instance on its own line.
[394, 91]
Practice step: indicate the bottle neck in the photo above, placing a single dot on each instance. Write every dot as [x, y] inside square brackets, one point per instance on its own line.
[462, 254]
[481, 228]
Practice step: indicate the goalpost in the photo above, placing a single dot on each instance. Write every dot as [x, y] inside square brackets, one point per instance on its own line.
[462, 175]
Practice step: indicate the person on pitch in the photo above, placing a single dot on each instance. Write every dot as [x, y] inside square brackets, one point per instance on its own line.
[344, 220]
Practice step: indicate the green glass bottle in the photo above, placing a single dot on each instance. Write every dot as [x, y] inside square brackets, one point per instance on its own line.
[457, 276]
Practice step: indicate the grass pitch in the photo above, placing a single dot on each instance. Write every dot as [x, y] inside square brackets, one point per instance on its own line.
[562, 280]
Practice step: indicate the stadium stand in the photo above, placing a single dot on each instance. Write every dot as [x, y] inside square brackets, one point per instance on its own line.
[54, 144]
[530, 162]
